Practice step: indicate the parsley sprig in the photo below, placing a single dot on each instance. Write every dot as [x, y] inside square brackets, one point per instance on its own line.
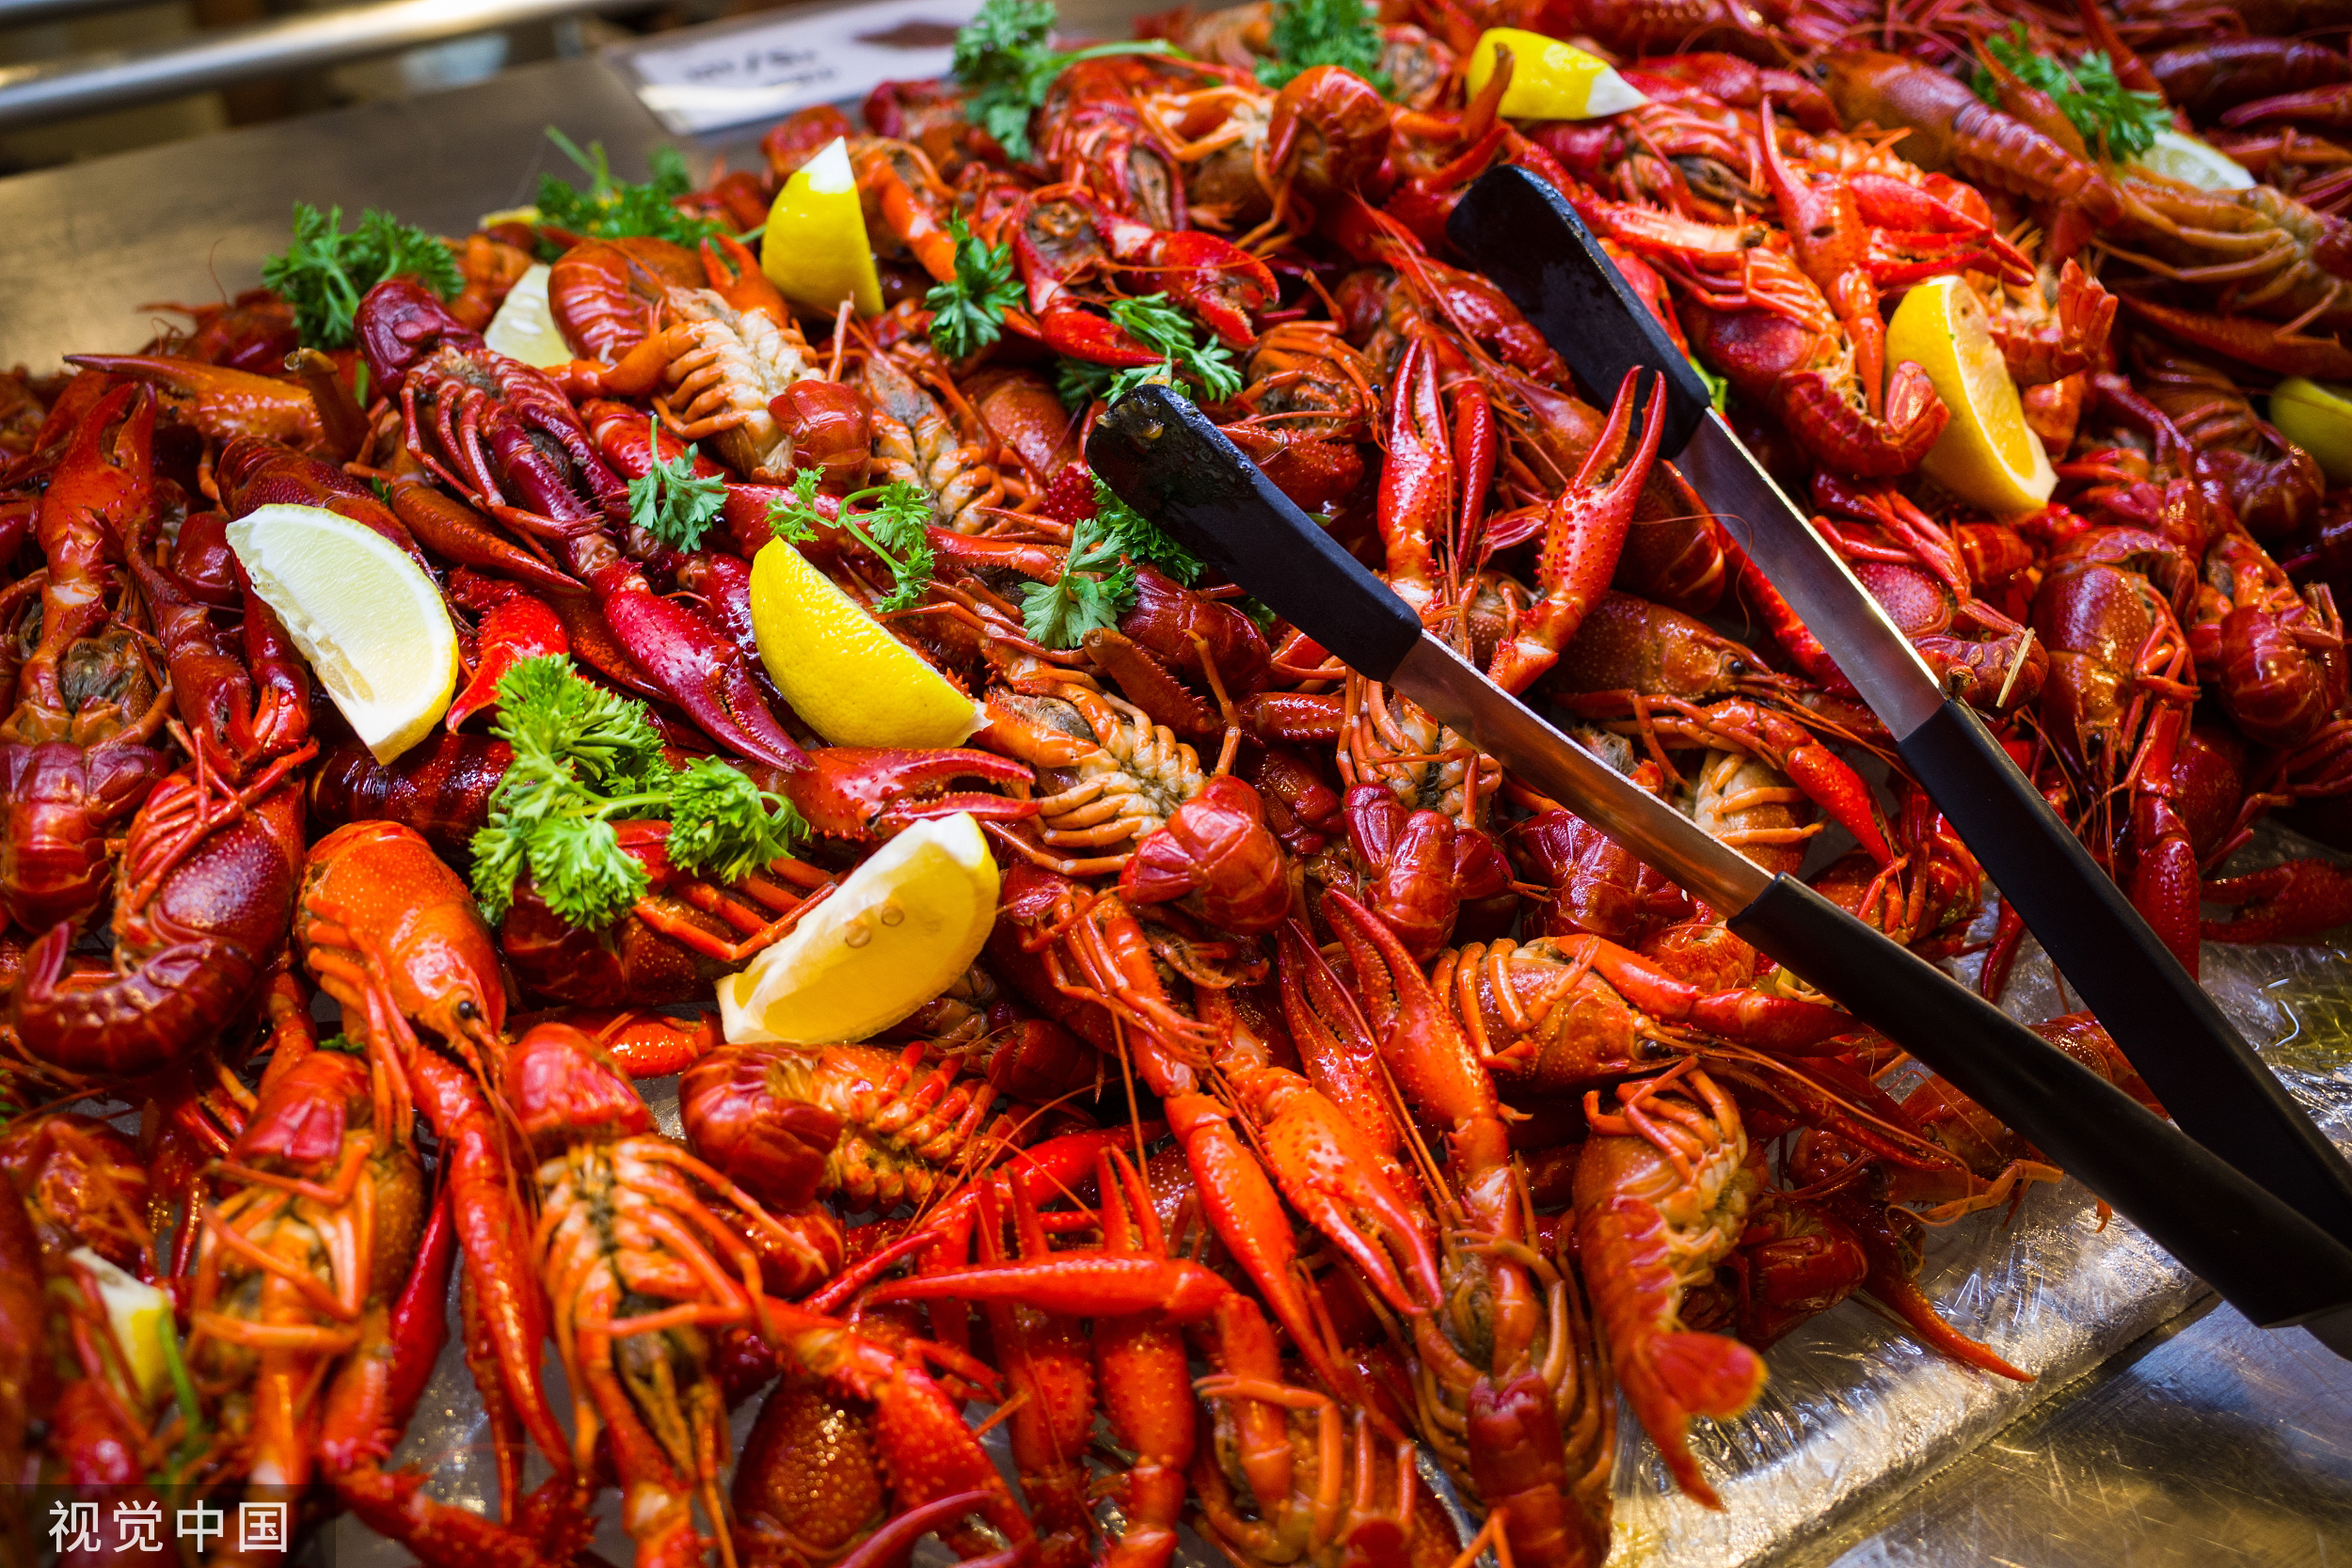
[1309, 33]
[1006, 61]
[324, 272]
[613, 209]
[1159, 326]
[968, 311]
[586, 758]
[895, 526]
[1098, 580]
[670, 501]
[2114, 120]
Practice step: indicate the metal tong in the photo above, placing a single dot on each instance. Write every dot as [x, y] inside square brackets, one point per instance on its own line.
[2271, 1261]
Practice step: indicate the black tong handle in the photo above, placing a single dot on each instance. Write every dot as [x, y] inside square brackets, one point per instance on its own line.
[1573, 294]
[1301, 571]
[2264, 1257]
[1530, 241]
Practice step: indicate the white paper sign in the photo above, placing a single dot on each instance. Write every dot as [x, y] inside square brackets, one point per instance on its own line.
[726, 76]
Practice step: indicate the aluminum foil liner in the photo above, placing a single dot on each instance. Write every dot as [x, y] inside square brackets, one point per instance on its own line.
[1855, 1411]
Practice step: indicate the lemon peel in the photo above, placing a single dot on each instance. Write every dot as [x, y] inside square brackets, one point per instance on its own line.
[815, 249]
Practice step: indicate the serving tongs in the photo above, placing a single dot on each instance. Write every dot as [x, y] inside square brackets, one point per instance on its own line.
[1525, 236]
[1165, 459]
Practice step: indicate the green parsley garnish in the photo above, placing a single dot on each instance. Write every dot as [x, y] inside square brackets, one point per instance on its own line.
[968, 312]
[669, 501]
[1718, 389]
[586, 758]
[2115, 121]
[613, 209]
[1098, 581]
[324, 272]
[1162, 328]
[1006, 61]
[1095, 588]
[1141, 539]
[896, 527]
[1309, 33]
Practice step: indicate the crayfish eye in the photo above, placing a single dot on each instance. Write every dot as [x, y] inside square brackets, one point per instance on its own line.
[468, 1011]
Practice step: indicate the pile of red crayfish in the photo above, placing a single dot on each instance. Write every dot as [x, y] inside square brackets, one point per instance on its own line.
[1325, 1100]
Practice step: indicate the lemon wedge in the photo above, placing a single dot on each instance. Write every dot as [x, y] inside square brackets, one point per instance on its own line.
[896, 933]
[367, 619]
[524, 328]
[1549, 80]
[850, 680]
[815, 248]
[2193, 163]
[1987, 455]
[2318, 419]
[138, 1313]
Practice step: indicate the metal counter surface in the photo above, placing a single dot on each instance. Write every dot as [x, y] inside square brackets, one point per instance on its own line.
[2207, 1443]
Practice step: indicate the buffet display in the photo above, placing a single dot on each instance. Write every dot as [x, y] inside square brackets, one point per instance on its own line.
[673, 631]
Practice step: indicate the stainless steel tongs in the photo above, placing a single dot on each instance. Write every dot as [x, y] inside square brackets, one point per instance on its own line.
[2270, 1257]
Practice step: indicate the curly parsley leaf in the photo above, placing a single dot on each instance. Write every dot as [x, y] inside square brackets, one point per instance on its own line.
[670, 501]
[613, 209]
[896, 527]
[723, 825]
[794, 518]
[1095, 588]
[2114, 120]
[968, 312]
[1309, 33]
[561, 726]
[586, 758]
[580, 870]
[1138, 538]
[1006, 60]
[1718, 389]
[323, 272]
[1164, 331]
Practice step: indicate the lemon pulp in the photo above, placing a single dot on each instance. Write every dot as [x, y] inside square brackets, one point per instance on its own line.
[896, 933]
[370, 622]
[846, 677]
[524, 327]
[1987, 455]
[1549, 80]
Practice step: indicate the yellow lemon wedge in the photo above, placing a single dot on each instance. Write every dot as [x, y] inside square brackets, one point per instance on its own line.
[848, 678]
[896, 933]
[1987, 455]
[1549, 80]
[2318, 418]
[524, 327]
[138, 1313]
[367, 619]
[815, 248]
[2193, 163]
